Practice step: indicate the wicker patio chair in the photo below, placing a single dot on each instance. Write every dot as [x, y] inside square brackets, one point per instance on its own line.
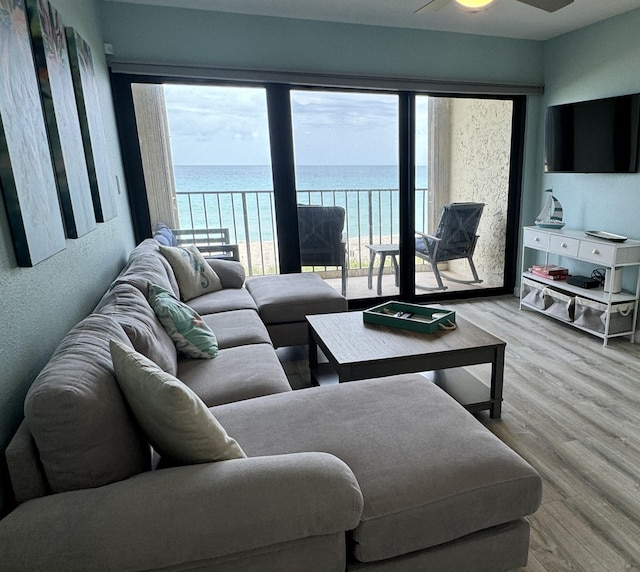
[454, 238]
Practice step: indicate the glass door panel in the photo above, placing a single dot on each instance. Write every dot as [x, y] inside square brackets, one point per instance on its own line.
[468, 158]
[346, 161]
[207, 164]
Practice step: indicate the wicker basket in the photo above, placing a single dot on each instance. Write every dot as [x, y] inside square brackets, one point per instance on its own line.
[593, 315]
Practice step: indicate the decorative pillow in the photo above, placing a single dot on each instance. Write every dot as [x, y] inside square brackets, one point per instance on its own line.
[164, 235]
[194, 276]
[175, 420]
[184, 325]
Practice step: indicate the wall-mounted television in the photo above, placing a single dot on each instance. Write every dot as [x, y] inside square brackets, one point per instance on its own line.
[597, 136]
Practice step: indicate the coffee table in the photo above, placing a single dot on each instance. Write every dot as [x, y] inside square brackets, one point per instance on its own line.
[357, 350]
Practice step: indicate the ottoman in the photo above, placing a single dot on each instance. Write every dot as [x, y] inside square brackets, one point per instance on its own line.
[283, 301]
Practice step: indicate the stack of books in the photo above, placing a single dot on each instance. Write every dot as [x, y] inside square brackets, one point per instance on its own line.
[550, 271]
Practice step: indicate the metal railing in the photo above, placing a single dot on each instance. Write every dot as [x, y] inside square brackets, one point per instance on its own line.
[371, 218]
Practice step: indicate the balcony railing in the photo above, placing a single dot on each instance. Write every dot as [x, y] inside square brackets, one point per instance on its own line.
[371, 218]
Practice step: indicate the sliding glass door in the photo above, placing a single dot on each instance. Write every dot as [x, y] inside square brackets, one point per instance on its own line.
[346, 163]
[206, 158]
[468, 154]
[370, 174]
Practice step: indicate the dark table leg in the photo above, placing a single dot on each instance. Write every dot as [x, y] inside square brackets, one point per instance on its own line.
[497, 374]
[313, 357]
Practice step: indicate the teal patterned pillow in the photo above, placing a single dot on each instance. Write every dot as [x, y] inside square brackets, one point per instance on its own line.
[194, 275]
[184, 325]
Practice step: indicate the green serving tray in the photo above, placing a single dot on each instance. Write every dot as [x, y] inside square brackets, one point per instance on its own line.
[423, 319]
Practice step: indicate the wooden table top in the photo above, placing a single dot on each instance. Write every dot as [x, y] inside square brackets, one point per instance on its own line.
[350, 340]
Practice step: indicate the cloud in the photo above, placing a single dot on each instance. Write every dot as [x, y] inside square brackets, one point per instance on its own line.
[228, 125]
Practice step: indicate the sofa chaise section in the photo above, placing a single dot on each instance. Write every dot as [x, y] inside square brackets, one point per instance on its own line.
[284, 301]
[430, 474]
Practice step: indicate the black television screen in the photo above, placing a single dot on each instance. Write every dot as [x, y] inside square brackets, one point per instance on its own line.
[598, 136]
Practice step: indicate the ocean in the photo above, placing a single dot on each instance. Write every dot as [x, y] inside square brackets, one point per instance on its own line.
[216, 196]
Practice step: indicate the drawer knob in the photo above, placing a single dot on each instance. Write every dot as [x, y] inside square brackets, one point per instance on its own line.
[564, 245]
[595, 251]
[536, 239]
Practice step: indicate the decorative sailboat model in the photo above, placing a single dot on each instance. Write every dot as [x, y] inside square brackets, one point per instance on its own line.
[551, 214]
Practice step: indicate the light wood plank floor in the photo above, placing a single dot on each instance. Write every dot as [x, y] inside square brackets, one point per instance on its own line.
[572, 409]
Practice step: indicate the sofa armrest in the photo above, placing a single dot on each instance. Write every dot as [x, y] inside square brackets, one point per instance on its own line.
[231, 272]
[174, 516]
[25, 470]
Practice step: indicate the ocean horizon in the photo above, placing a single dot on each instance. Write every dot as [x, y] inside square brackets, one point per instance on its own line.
[191, 178]
[219, 196]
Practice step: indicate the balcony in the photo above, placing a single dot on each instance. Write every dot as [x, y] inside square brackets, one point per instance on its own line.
[371, 218]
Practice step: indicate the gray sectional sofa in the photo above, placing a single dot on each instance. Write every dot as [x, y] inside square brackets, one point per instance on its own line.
[383, 474]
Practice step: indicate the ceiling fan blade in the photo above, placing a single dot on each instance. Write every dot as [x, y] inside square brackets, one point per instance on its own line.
[547, 5]
[432, 6]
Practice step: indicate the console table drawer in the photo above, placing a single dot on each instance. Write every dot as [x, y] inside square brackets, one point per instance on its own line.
[535, 239]
[563, 245]
[597, 252]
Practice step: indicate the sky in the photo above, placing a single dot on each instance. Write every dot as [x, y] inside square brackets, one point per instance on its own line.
[214, 125]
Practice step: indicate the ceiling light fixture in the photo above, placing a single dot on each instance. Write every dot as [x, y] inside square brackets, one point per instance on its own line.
[474, 5]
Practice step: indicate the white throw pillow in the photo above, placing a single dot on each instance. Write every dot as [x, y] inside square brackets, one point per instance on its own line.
[175, 420]
[193, 274]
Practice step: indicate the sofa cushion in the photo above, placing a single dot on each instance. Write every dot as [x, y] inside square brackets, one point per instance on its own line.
[223, 301]
[176, 421]
[185, 327]
[237, 328]
[130, 308]
[195, 277]
[82, 428]
[290, 297]
[231, 272]
[428, 470]
[237, 373]
[146, 265]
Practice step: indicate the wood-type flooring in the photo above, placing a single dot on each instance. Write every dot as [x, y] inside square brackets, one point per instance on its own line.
[572, 409]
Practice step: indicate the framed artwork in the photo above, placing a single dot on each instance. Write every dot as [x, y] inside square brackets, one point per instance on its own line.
[26, 169]
[92, 127]
[61, 116]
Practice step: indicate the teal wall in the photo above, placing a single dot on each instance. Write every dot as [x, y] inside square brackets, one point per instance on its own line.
[602, 60]
[40, 304]
[200, 38]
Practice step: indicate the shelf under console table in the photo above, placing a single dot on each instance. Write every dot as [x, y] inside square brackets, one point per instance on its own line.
[603, 314]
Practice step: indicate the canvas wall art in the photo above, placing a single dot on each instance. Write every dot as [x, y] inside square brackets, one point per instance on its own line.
[92, 127]
[26, 170]
[61, 115]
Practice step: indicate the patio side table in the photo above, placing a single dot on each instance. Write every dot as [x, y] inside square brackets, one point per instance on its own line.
[383, 250]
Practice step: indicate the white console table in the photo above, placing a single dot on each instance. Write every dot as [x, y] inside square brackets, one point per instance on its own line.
[602, 253]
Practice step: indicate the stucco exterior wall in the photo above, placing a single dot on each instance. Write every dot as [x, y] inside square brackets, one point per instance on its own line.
[480, 159]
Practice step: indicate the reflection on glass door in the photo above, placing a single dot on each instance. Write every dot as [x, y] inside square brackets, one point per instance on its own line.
[346, 162]
[207, 164]
[468, 157]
